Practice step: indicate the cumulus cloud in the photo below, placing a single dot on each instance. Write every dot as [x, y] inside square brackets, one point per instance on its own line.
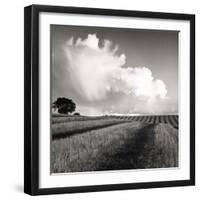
[97, 70]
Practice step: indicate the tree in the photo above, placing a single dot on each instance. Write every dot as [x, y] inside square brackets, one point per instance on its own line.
[64, 105]
[78, 114]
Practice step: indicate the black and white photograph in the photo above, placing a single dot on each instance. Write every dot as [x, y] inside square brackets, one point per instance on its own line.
[109, 99]
[114, 99]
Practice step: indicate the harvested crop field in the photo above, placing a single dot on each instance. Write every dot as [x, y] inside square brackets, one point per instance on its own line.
[82, 143]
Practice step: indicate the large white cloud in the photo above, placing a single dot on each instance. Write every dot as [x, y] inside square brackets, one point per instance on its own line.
[97, 70]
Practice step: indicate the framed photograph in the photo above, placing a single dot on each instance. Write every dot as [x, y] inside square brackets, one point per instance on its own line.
[109, 100]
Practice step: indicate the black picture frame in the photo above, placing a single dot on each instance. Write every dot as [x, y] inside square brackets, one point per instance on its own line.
[31, 98]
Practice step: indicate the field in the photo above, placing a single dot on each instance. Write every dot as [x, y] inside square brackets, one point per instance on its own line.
[83, 143]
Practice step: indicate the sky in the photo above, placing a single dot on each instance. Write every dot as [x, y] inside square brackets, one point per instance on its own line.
[114, 70]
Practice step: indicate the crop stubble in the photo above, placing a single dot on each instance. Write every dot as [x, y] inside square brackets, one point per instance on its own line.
[114, 143]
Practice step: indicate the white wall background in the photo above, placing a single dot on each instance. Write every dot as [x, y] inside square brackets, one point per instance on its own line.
[11, 98]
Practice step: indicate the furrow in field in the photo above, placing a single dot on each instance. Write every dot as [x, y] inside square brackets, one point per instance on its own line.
[165, 119]
[83, 152]
[166, 143]
[142, 118]
[146, 119]
[133, 118]
[122, 146]
[156, 119]
[76, 127]
[151, 120]
[175, 121]
[136, 118]
[78, 118]
[172, 122]
[175, 117]
[162, 119]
